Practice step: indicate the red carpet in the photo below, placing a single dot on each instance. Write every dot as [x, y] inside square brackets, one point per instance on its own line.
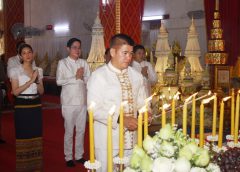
[53, 131]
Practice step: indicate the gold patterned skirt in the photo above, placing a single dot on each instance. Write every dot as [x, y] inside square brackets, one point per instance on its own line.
[28, 128]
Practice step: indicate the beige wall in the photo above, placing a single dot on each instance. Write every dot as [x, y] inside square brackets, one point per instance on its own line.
[76, 13]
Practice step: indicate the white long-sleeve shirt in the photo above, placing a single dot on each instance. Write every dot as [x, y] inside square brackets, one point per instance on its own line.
[152, 75]
[73, 90]
[14, 62]
[105, 90]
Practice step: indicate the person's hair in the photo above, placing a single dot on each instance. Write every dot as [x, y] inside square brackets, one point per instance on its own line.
[120, 39]
[138, 47]
[71, 41]
[18, 45]
[24, 46]
[107, 51]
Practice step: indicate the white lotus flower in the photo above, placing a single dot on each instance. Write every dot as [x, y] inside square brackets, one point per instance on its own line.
[186, 153]
[167, 149]
[163, 164]
[193, 147]
[146, 164]
[213, 168]
[148, 144]
[166, 132]
[139, 151]
[182, 165]
[135, 161]
[197, 169]
[202, 158]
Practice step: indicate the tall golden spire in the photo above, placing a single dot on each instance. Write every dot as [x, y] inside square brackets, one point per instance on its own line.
[216, 45]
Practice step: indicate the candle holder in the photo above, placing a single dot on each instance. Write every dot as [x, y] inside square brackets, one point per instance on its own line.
[121, 162]
[92, 167]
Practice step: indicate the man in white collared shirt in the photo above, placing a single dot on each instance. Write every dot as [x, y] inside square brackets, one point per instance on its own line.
[144, 67]
[72, 75]
[15, 61]
[110, 85]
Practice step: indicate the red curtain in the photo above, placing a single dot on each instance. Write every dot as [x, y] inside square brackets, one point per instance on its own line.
[230, 17]
[131, 19]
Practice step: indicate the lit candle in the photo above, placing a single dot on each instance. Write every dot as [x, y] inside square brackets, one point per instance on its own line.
[164, 118]
[91, 132]
[193, 117]
[109, 140]
[236, 119]
[201, 133]
[214, 128]
[140, 129]
[220, 132]
[146, 115]
[175, 97]
[232, 113]
[201, 130]
[121, 131]
[185, 115]
[173, 112]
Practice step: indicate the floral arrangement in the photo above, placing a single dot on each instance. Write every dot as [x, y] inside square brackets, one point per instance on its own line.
[170, 151]
[228, 160]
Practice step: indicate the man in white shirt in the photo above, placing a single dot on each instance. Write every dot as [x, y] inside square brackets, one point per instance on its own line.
[110, 85]
[144, 67]
[72, 75]
[15, 61]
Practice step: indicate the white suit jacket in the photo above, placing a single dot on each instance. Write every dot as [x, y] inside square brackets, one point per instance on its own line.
[105, 90]
[73, 90]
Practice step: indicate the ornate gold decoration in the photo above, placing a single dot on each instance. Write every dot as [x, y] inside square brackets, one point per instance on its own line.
[118, 16]
[216, 45]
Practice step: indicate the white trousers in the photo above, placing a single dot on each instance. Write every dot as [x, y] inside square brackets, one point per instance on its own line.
[101, 156]
[74, 116]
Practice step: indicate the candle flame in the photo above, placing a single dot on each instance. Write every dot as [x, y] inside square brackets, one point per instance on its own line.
[169, 88]
[165, 106]
[195, 94]
[176, 95]
[238, 91]
[92, 105]
[188, 99]
[149, 98]
[209, 93]
[112, 110]
[142, 110]
[205, 101]
[124, 103]
[226, 98]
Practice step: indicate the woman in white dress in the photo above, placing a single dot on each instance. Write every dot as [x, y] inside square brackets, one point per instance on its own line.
[27, 85]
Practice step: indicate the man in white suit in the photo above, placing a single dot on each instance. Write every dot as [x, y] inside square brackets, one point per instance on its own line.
[72, 75]
[110, 85]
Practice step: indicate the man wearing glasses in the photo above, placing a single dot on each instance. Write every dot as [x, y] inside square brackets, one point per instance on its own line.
[72, 75]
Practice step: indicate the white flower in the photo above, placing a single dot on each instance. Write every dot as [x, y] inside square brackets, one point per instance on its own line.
[182, 165]
[139, 151]
[129, 170]
[201, 158]
[148, 144]
[213, 168]
[146, 164]
[167, 149]
[193, 147]
[135, 161]
[163, 164]
[197, 169]
[166, 132]
[186, 153]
